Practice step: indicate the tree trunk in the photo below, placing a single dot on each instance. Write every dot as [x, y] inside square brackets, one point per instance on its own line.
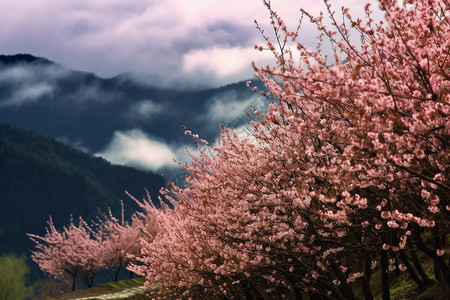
[410, 270]
[345, 289]
[365, 280]
[298, 293]
[73, 282]
[89, 280]
[397, 269]
[440, 267]
[426, 280]
[246, 289]
[385, 275]
[116, 273]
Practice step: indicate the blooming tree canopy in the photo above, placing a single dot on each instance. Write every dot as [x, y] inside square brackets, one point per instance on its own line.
[83, 250]
[74, 251]
[348, 168]
[346, 174]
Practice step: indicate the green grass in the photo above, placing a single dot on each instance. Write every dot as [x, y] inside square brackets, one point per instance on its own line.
[123, 284]
[403, 287]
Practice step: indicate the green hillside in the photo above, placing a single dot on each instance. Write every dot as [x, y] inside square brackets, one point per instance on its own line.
[40, 176]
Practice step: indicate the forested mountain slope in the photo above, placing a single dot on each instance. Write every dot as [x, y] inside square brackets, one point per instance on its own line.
[40, 176]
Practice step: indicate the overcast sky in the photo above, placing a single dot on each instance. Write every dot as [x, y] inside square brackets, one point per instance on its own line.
[197, 42]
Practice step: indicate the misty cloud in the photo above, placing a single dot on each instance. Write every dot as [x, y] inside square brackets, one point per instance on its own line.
[29, 83]
[31, 73]
[219, 65]
[79, 144]
[16, 74]
[145, 110]
[227, 107]
[29, 93]
[138, 149]
[92, 93]
[230, 111]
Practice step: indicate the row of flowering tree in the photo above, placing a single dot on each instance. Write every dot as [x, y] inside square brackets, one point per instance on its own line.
[81, 249]
[346, 174]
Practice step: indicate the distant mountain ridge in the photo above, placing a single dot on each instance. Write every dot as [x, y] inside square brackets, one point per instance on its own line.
[23, 58]
[87, 111]
[41, 176]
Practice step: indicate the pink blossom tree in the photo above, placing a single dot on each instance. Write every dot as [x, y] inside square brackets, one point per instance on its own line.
[83, 250]
[118, 239]
[75, 251]
[121, 240]
[348, 168]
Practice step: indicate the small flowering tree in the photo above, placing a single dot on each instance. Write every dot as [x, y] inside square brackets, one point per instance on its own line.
[118, 240]
[121, 240]
[73, 251]
[83, 250]
[348, 169]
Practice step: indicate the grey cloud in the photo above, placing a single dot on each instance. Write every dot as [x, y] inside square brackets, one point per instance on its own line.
[145, 109]
[109, 37]
[29, 83]
[222, 33]
[92, 93]
[112, 37]
[15, 74]
[77, 143]
[227, 107]
[31, 73]
[29, 93]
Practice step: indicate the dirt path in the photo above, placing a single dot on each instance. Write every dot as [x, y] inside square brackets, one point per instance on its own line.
[123, 294]
[127, 289]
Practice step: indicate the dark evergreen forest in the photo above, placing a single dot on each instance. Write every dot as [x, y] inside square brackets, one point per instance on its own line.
[41, 176]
